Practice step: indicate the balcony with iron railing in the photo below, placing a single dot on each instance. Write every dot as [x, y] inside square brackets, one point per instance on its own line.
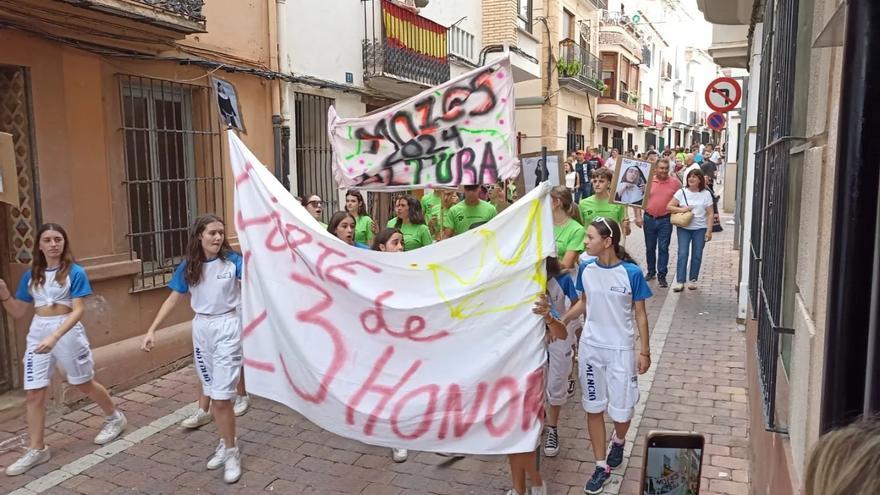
[105, 22]
[579, 69]
[616, 29]
[599, 4]
[403, 52]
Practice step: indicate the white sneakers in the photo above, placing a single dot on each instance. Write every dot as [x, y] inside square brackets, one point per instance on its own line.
[229, 459]
[692, 285]
[197, 419]
[219, 456]
[200, 417]
[242, 404]
[678, 287]
[535, 490]
[113, 427]
[31, 458]
[399, 455]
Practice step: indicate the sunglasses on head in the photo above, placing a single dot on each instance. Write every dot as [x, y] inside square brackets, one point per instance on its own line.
[604, 221]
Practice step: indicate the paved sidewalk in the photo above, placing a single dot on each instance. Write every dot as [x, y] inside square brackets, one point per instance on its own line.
[697, 383]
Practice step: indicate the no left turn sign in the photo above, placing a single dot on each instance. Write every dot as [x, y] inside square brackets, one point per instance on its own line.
[723, 94]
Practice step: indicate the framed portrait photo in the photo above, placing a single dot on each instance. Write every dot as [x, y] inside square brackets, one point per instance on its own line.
[535, 170]
[632, 182]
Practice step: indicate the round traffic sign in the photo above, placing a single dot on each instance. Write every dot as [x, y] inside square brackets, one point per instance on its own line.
[716, 121]
[723, 94]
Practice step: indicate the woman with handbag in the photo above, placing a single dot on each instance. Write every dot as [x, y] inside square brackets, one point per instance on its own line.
[691, 210]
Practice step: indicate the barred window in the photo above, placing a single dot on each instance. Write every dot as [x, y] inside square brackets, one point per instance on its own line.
[171, 176]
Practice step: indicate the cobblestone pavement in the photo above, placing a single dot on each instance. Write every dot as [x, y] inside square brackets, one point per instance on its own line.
[697, 383]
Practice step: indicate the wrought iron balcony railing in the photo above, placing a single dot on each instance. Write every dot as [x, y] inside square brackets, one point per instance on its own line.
[191, 9]
[404, 45]
[577, 63]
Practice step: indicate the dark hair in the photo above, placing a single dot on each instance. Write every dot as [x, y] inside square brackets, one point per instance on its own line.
[699, 173]
[563, 194]
[305, 199]
[612, 230]
[362, 205]
[416, 215]
[471, 187]
[195, 255]
[336, 219]
[553, 267]
[652, 152]
[383, 237]
[39, 263]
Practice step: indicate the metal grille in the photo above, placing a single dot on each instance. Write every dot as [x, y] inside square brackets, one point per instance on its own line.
[770, 193]
[171, 174]
[574, 142]
[314, 155]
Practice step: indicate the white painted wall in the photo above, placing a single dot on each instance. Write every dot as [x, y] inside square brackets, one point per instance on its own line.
[751, 123]
[325, 39]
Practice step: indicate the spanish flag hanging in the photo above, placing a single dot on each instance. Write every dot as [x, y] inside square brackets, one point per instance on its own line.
[411, 31]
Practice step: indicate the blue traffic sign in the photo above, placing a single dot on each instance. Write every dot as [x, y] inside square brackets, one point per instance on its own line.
[716, 121]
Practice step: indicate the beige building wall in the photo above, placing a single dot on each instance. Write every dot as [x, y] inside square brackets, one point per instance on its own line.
[74, 97]
[814, 243]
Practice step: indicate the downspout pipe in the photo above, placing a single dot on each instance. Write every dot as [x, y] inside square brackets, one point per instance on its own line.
[850, 387]
[283, 122]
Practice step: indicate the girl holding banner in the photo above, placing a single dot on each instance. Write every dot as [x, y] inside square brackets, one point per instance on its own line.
[614, 289]
[211, 274]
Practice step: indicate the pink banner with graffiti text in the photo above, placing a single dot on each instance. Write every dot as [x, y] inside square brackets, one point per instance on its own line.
[434, 349]
[461, 132]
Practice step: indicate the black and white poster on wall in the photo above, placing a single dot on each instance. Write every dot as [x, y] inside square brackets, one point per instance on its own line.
[227, 104]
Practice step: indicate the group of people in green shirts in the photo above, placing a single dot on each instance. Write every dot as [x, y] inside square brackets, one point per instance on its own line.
[437, 215]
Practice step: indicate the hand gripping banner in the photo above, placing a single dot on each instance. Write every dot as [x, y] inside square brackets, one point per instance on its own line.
[434, 349]
[461, 132]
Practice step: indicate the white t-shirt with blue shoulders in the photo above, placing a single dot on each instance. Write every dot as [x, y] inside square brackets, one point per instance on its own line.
[52, 292]
[562, 294]
[610, 294]
[219, 289]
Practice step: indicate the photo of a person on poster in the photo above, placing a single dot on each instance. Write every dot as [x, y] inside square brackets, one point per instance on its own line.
[632, 182]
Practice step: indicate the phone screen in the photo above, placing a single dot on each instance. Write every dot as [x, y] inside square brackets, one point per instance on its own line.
[672, 466]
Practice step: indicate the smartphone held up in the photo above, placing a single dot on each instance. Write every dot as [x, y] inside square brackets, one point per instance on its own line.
[673, 461]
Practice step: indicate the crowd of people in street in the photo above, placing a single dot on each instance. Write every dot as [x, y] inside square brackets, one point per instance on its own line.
[605, 348]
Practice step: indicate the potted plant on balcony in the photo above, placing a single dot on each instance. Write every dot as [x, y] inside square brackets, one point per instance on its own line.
[633, 98]
[599, 85]
[568, 68]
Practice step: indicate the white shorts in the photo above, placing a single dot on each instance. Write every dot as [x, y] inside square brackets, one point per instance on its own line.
[609, 381]
[72, 352]
[559, 367]
[217, 353]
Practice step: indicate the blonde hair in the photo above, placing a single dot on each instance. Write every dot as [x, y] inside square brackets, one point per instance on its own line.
[846, 461]
[563, 194]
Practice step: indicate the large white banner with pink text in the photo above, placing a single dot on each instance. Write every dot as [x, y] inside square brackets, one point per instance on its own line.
[460, 132]
[434, 349]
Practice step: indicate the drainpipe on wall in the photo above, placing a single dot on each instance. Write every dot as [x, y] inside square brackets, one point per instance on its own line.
[281, 122]
[850, 385]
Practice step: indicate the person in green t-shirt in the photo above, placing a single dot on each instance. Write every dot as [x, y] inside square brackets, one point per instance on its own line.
[600, 205]
[430, 200]
[567, 230]
[437, 214]
[365, 228]
[471, 210]
[410, 220]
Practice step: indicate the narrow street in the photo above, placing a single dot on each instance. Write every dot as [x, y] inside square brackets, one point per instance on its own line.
[697, 383]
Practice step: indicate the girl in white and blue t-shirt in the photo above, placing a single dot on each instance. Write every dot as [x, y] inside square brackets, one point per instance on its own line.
[613, 292]
[211, 274]
[56, 287]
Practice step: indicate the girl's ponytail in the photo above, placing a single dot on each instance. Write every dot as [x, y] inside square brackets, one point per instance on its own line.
[621, 253]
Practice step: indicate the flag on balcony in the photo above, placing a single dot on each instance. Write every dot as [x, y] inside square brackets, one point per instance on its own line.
[461, 132]
[435, 349]
[406, 29]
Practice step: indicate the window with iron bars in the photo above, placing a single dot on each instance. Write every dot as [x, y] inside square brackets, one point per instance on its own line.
[171, 174]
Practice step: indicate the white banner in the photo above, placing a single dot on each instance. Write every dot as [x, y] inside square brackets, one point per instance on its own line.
[434, 349]
[461, 132]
